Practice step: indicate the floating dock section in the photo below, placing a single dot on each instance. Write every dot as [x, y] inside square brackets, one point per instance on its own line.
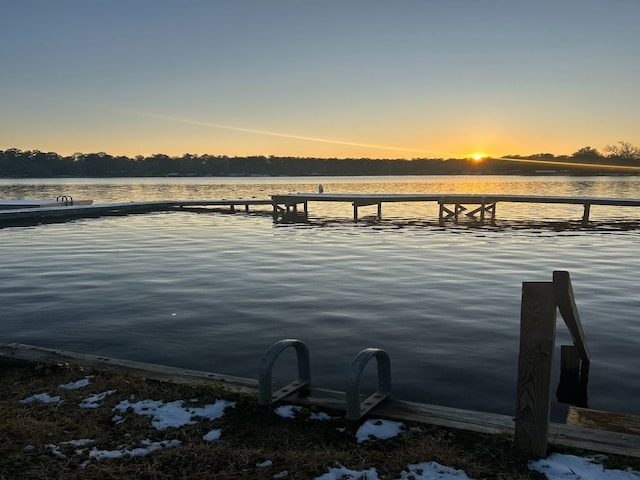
[32, 212]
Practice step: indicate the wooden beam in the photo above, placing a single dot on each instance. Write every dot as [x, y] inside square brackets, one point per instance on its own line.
[585, 215]
[601, 420]
[537, 341]
[565, 300]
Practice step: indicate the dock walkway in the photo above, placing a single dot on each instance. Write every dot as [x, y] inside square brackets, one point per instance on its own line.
[476, 208]
[22, 212]
[451, 206]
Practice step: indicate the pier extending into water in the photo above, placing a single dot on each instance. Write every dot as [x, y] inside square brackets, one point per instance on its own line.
[30, 212]
[477, 208]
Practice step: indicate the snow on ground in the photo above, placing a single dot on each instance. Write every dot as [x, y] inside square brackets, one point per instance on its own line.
[212, 435]
[147, 448]
[173, 414]
[42, 398]
[176, 414]
[380, 429]
[288, 411]
[93, 401]
[570, 467]
[77, 384]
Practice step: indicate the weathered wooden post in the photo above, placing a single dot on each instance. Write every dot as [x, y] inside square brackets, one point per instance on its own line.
[537, 341]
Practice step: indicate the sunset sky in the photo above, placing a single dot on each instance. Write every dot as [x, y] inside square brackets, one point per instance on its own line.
[331, 78]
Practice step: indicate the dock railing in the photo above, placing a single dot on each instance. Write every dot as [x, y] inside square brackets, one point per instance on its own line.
[537, 343]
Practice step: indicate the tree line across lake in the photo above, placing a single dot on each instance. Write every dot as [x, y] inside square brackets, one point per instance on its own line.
[622, 158]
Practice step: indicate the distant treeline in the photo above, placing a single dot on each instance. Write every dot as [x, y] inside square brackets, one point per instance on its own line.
[15, 163]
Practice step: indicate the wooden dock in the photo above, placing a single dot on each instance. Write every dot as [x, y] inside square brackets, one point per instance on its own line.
[24, 212]
[479, 209]
[451, 206]
[592, 439]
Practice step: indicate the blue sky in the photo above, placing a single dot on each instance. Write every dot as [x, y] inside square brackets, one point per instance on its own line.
[329, 79]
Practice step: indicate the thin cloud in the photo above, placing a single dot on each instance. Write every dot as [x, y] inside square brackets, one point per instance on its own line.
[279, 134]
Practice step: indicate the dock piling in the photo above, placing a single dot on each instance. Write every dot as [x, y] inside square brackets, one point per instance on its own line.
[537, 342]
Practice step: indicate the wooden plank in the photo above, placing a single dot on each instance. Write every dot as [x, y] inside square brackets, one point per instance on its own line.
[566, 303]
[14, 354]
[537, 341]
[484, 423]
[455, 198]
[594, 440]
[601, 420]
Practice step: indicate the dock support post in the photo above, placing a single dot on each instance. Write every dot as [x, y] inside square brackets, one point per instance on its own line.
[355, 212]
[379, 210]
[306, 208]
[585, 215]
[537, 341]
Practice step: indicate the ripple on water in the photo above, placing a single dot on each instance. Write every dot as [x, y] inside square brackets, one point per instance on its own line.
[211, 291]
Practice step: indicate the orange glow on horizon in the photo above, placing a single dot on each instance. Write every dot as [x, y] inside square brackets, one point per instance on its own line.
[478, 157]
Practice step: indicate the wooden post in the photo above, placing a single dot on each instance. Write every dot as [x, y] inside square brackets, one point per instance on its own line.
[585, 215]
[355, 212]
[537, 341]
[379, 210]
[563, 292]
[441, 213]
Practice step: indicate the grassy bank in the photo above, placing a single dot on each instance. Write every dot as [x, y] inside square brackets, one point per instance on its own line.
[62, 421]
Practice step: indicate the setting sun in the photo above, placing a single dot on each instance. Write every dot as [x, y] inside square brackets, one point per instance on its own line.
[478, 156]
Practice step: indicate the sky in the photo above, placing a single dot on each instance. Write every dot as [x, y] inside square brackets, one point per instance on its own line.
[331, 78]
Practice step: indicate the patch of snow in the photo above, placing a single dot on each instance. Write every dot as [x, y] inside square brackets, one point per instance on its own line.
[380, 429]
[432, 471]
[117, 419]
[42, 398]
[282, 474]
[266, 463]
[55, 451]
[322, 416]
[173, 414]
[569, 467]
[345, 473]
[93, 401]
[149, 447]
[83, 442]
[76, 385]
[212, 435]
[287, 411]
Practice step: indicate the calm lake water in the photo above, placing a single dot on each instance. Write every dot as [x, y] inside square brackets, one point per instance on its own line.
[213, 291]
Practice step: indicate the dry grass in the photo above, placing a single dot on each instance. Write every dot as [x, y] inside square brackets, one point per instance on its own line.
[250, 435]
